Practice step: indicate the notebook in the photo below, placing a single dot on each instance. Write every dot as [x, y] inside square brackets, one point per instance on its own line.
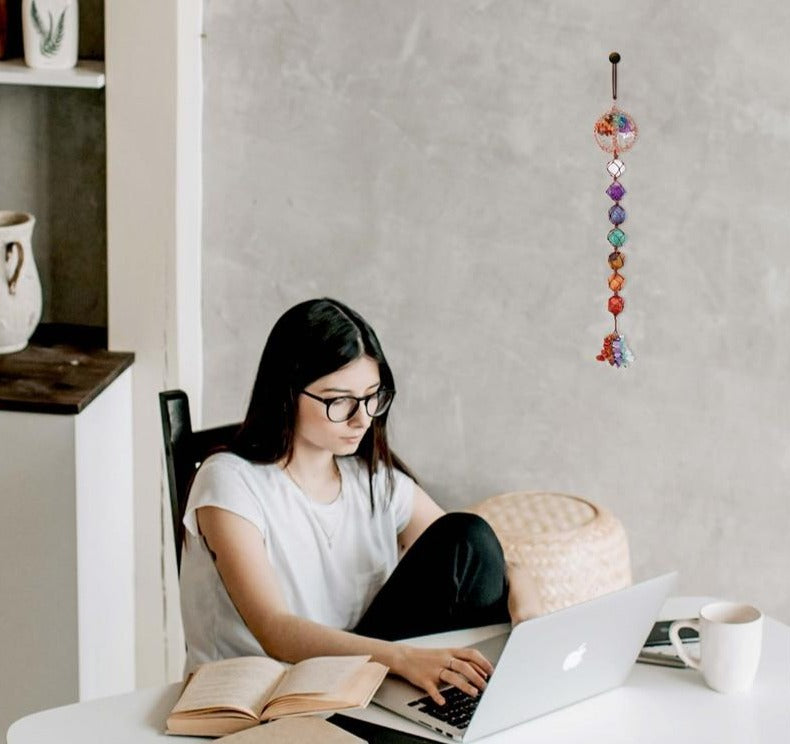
[542, 664]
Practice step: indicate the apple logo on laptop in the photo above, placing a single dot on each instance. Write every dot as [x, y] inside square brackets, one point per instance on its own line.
[574, 658]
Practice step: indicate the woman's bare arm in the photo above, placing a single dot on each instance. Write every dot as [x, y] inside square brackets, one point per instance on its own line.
[425, 512]
[242, 562]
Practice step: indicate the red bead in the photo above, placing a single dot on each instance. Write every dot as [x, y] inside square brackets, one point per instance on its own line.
[616, 304]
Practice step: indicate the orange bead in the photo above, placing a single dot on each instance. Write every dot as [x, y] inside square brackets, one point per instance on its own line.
[616, 282]
[616, 260]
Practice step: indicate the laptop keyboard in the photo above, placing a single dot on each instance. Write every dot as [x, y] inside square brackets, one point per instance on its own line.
[457, 710]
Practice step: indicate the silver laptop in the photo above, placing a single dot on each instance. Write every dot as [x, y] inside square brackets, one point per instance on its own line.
[542, 664]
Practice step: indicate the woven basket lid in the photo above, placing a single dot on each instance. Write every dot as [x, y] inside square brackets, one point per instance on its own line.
[576, 549]
[534, 513]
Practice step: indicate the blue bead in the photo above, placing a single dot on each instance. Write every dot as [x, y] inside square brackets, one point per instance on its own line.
[616, 215]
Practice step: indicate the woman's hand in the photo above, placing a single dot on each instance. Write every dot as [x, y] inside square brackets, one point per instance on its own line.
[432, 668]
[523, 600]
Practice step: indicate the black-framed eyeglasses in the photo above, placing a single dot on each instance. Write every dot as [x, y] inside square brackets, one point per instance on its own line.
[344, 407]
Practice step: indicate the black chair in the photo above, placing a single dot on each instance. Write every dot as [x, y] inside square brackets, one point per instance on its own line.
[184, 451]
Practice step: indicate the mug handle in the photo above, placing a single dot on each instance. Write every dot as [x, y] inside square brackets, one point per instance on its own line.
[674, 636]
[20, 260]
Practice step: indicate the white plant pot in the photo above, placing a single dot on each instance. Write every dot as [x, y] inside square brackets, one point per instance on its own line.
[20, 287]
[50, 32]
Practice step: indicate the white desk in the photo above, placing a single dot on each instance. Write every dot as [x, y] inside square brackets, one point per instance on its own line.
[656, 705]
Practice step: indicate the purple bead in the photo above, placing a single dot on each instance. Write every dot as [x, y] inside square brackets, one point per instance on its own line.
[617, 215]
[616, 191]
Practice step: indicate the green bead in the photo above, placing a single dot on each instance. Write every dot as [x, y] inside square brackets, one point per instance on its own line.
[616, 237]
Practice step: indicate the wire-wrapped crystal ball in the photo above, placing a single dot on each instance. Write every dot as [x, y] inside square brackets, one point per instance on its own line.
[615, 131]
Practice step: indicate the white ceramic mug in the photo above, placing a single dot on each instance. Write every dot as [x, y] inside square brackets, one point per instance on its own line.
[730, 641]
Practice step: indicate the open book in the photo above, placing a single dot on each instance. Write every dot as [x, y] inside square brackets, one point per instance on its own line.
[225, 696]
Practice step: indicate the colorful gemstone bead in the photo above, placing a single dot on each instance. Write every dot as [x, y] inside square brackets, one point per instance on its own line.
[615, 351]
[616, 260]
[605, 126]
[607, 352]
[615, 167]
[616, 237]
[616, 215]
[623, 355]
[616, 191]
[616, 282]
[616, 304]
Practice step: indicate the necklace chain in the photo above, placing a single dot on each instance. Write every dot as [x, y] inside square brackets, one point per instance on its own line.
[304, 490]
[313, 503]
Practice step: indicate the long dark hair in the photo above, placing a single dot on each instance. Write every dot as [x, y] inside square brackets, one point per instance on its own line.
[312, 339]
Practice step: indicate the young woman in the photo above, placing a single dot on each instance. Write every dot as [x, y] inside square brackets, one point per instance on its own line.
[309, 537]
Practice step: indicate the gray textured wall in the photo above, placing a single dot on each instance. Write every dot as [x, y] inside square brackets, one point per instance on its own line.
[52, 164]
[432, 164]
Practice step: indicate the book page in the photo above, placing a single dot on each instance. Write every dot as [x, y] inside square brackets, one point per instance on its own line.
[319, 675]
[356, 691]
[359, 689]
[294, 731]
[242, 684]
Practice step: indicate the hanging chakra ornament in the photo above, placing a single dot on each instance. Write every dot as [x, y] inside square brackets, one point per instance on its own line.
[615, 133]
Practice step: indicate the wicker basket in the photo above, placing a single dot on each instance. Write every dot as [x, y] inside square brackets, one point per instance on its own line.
[577, 550]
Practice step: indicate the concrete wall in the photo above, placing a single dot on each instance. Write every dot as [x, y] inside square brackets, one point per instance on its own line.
[52, 164]
[433, 165]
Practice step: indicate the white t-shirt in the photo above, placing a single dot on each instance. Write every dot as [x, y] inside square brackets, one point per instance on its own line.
[330, 559]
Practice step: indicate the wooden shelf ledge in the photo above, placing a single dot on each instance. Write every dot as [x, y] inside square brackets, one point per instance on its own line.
[88, 73]
[58, 375]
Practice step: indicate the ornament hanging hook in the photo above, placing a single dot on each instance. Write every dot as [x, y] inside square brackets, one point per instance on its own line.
[614, 58]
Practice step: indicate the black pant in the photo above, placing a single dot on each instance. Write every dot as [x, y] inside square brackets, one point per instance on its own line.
[452, 577]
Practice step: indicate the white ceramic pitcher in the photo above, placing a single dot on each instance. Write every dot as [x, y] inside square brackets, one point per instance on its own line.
[20, 287]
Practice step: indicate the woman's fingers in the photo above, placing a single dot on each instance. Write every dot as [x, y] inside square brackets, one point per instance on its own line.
[459, 680]
[464, 668]
[433, 691]
[474, 656]
[468, 671]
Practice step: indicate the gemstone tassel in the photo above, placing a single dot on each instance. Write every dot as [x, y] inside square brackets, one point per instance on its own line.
[615, 132]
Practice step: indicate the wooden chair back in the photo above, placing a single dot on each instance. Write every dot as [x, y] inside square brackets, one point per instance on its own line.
[184, 451]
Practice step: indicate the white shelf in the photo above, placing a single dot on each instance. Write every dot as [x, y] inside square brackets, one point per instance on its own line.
[87, 74]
